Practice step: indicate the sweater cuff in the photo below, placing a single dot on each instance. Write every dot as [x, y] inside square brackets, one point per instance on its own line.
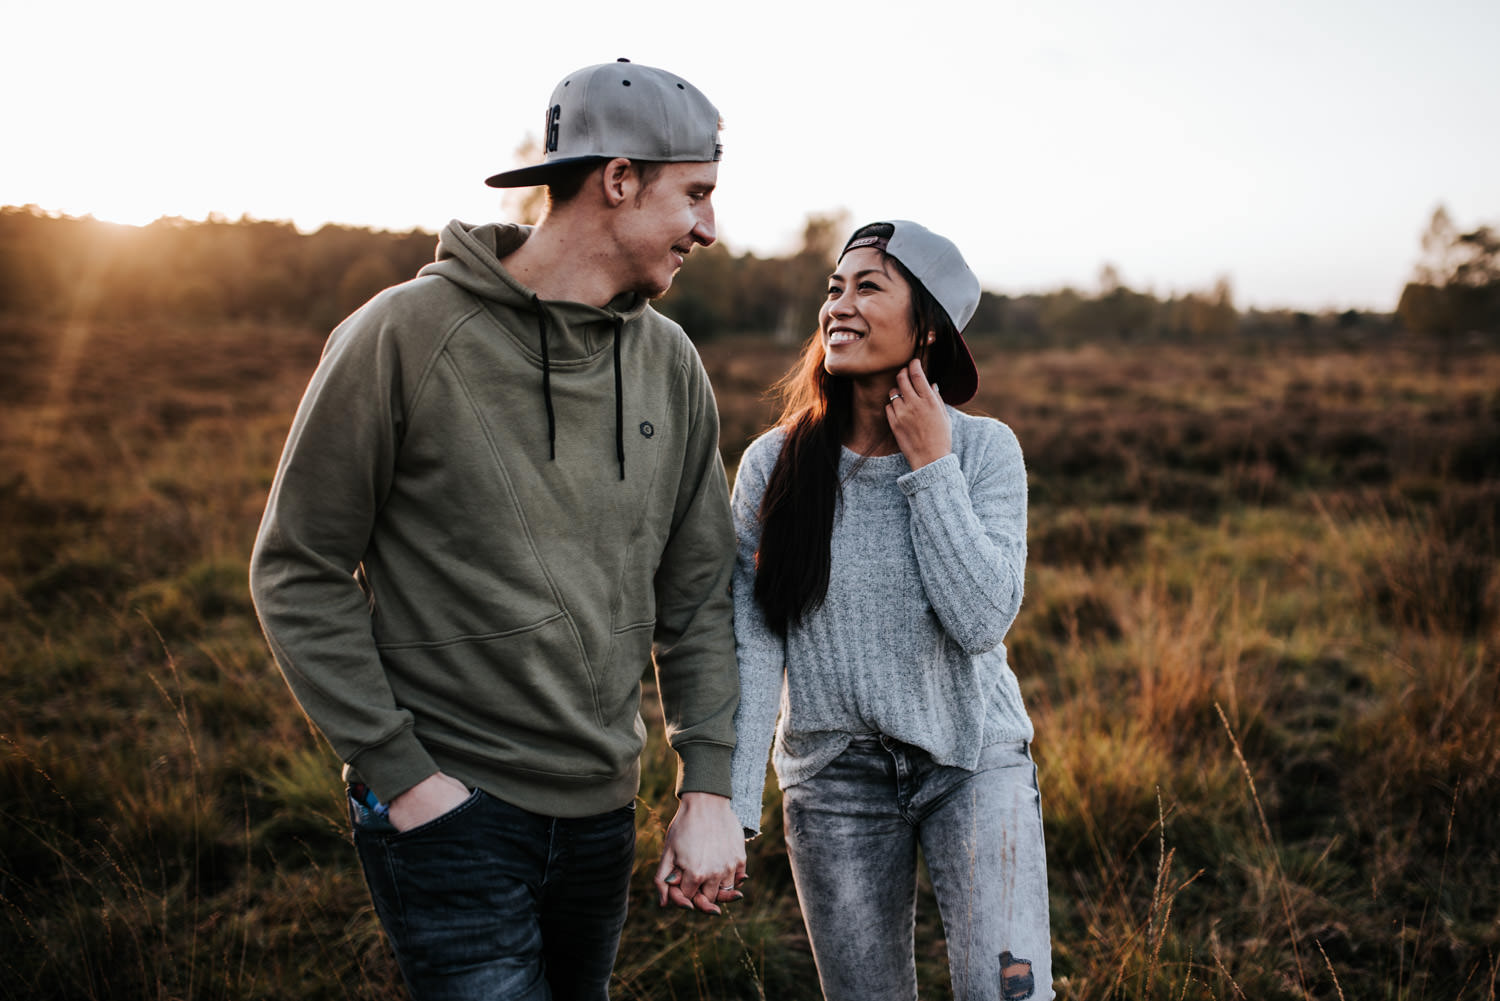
[749, 817]
[395, 766]
[705, 768]
[929, 475]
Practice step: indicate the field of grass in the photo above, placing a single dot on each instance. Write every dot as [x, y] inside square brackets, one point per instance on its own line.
[1261, 644]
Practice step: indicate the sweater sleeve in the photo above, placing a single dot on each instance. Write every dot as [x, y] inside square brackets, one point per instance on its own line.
[694, 635]
[761, 652]
[335, 470]
[969, 531]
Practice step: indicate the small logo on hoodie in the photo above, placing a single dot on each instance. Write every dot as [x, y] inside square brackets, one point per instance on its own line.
[647, 429]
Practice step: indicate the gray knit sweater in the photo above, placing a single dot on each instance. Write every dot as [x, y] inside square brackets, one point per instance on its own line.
[927, 573]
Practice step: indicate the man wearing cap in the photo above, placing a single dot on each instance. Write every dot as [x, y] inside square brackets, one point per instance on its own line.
[501, 499]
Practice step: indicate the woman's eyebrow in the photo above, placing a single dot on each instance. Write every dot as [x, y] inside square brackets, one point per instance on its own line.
[857, 275]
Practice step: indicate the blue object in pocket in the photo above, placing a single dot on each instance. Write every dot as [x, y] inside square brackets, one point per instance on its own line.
[369, 813]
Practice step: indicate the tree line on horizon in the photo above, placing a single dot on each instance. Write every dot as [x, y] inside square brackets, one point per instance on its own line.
[218, 270]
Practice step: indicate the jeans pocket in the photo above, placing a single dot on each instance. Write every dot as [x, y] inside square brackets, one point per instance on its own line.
[437, 826]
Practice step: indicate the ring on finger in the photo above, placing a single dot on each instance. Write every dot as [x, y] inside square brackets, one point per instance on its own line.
[893, 398]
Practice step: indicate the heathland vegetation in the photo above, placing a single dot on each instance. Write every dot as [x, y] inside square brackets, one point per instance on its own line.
[1261, 636]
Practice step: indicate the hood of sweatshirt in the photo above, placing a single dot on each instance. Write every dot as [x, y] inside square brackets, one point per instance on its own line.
[470, 257]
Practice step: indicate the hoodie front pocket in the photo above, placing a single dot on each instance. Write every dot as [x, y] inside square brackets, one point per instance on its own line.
[527, 698]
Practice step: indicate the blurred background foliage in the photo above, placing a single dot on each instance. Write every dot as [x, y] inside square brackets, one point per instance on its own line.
[270, 272]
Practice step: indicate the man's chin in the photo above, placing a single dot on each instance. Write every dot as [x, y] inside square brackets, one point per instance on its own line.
[653, 289]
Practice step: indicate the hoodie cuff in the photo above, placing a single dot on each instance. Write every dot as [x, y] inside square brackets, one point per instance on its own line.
[395, 766]
[705, 768]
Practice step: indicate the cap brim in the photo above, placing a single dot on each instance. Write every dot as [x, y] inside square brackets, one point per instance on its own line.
[541, 173]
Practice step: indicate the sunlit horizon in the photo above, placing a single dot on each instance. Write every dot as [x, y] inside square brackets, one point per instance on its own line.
[1298, 153]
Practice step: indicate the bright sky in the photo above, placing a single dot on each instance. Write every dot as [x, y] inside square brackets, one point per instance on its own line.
[1297, 147]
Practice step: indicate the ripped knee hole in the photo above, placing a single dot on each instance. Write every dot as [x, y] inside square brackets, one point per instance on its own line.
[1016, 980]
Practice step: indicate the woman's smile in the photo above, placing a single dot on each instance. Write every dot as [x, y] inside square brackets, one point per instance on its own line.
[869, 305]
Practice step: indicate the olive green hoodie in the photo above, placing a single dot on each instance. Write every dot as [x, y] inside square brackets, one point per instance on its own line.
[491, 509]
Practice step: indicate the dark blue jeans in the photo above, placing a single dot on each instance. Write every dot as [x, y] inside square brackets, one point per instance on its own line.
[490, 901]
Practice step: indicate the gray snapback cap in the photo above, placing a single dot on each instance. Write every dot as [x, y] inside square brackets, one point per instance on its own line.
[936, 262]
[622, 109]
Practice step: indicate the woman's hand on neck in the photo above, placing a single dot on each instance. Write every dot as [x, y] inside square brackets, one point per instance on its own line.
[870, 430]
[906, 414]
[918, 418]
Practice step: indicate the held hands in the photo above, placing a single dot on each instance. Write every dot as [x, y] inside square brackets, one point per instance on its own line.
[704, 857]
[428, 800]
[918, 417]
[703, 861]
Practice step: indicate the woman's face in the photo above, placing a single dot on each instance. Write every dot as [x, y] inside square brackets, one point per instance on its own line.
[865, 321]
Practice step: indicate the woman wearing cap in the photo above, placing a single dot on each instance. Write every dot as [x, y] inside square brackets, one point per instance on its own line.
[882, 549]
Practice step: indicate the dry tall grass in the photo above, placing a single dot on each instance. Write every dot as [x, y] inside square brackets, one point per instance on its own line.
[1259, 643]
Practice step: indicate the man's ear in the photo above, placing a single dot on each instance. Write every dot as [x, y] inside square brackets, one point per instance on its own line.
[619, 181]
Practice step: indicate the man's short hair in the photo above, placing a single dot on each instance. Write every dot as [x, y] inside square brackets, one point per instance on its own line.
[568, 180]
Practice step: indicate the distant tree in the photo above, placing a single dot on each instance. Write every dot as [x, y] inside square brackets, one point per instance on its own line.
[1023, 317]
[363, 278]
[28, 283]
[1437, 246]
[1063, 313]
[1455, 286]
[1120, 311]
[991, 316]
[803, 275]
[1202, 316]
[1109, 280]
[525, 204]
[823, 236]
[697, 299]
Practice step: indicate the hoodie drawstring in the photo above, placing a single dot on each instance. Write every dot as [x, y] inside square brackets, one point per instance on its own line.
[541, 318]
[619, 402]
[547, 389]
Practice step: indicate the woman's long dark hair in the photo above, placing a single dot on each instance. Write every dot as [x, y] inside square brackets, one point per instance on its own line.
[802, 493]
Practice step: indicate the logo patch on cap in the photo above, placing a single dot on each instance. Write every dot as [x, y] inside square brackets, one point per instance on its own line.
[554, 114]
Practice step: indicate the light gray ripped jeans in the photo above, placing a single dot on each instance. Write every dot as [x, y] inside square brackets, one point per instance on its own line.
[852, 834]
